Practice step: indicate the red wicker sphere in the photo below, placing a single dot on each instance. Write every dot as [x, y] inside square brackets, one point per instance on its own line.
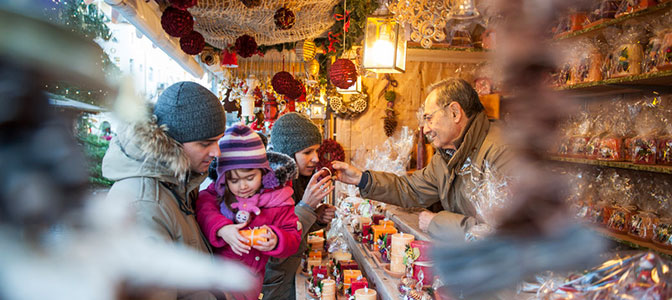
[282, 82]
[251, 3]
[343, 73]
[193, 43]
[183, 4]
[246, 46]
[284, 18]
[177, 22]
[294, 91]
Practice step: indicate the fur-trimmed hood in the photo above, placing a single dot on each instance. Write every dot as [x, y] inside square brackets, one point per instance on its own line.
[144, 149]
[283, 166]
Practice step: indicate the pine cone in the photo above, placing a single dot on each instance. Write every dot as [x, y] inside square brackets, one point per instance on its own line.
[390, 123]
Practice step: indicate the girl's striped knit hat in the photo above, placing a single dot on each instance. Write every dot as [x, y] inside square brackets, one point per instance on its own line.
[241, 148]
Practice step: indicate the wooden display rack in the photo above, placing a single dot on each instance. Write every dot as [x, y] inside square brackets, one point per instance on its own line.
[632, 242]
[653, 82]
[615, 164]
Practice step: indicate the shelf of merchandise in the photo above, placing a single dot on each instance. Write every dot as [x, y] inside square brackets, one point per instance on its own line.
[660, 82]
[632, 242]
[594, 30]
[615, 164]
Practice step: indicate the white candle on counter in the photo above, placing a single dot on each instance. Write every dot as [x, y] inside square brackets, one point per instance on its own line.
[328, 289]
[365, 294]
[400, 241]
[342, 255]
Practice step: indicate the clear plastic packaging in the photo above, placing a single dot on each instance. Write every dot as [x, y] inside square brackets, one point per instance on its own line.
[627, 53]
[647, 125]
[611, 145]
[630, 275]
[392, 157]
[460, 37]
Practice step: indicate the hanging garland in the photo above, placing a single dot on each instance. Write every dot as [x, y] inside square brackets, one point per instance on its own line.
[329, 151]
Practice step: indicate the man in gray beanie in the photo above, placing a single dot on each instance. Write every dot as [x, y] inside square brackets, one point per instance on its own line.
[159, 160]
[298, 137]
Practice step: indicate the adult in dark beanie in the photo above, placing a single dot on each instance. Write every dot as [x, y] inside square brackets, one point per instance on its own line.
[298, 137]
[158, 160]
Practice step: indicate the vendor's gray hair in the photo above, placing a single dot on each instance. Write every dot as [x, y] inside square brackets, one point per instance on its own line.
[460, 91]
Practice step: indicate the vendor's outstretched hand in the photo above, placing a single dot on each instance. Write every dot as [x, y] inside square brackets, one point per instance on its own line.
[347, 173]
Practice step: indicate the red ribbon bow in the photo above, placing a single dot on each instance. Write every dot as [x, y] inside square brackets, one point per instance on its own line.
[333, 38]
[345, 18]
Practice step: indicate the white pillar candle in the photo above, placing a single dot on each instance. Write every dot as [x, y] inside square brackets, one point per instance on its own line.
[397, 264]
[342, 255]
[399, 243]
[328, 289]
[365, 294]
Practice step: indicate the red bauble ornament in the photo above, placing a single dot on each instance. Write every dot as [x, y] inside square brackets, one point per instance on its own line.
[329, 151]
[251, 3]
[192, 43]
[282, 82]
[343, 73]
[294, 90]
[284, 18]
[183, 4]
[246, 46]
[177, 22]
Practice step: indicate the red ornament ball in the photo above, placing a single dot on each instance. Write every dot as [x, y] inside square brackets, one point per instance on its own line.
[246, 46]
[343, 73]
[183, 4]
[177, 22]
[193, 43]
[294, 91]
[251, 3]
[329, 151]
[282, 82]
[284, 18]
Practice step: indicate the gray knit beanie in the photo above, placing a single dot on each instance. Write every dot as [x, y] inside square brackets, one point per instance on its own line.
[294, 132]
[191, 112]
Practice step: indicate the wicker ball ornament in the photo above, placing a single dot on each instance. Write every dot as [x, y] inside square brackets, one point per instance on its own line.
[183, 4]
[193, 43]
[246, 46]
[282, 82]
[295, 90]
[284, 18]
[251, 3]
[343, 73]
[177, 22]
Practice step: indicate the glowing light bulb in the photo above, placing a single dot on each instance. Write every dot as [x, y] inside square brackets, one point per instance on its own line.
[383, 51]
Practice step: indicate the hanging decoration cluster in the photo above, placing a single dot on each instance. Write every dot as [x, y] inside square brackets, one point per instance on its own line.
[390, 120]
[351, 110]
[246, 46]
[284, 18]
[178, 22]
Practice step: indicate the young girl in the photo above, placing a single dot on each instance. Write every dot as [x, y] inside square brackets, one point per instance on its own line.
[248, 194]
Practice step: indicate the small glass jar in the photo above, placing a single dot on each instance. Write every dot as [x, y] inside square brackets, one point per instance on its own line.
[642, 225]
[620, 219]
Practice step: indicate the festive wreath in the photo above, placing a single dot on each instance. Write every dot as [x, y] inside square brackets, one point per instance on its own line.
[329, 151]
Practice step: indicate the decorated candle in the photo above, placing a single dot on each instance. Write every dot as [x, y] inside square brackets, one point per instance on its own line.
[320, 273]
[347, 265]
[315, 253]
[328, 289]
[364, 220]
[313, 261]
[319, 233]
[349, 276]
[316, 242]
[376, 219]
[379, 231]
[397, 264]
[423, 249]
[253, 236]
[341, 255]
[388, 223]
[358, 284]
[427, 272]
[366, 232]
[366, 294]
[399, 243]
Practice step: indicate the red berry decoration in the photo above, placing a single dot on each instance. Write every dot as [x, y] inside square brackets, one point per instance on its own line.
[329, 151]
[183, 4]
[193, 43]
[177, 22]
[284, 18]
[343, 73]
[246, 46]
[282, 82]
[251, 3]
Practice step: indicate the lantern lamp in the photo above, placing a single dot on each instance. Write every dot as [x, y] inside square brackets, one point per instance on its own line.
[384, 45]
[317, 111]
[463, 9]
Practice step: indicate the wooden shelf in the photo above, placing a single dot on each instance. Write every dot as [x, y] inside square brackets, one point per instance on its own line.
[632, 242]
[651, 82]
[615, 164]
[446, 54]
[597, 29]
